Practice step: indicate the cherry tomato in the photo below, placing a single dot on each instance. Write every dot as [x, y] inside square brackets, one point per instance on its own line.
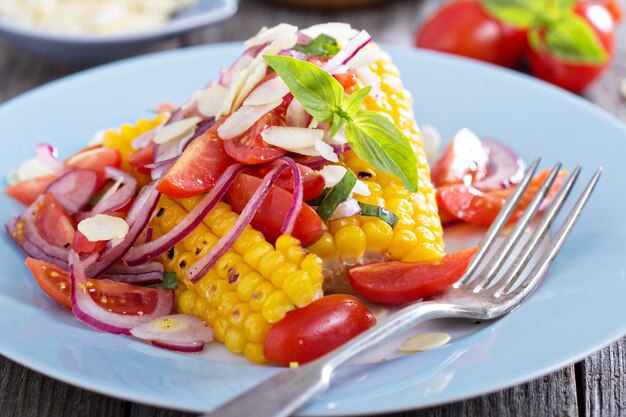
[53, 223]
[464, 28]
[403, 282]
[198, 168]
[27, 191]
[117, 297]
[573, 76]
[464, 160]
[250, 148]
[312, 181]
[347, 79]
[307, 333]
[475, 206]
[270, 216]
[141, 158]
[96, 158]
[81, 244]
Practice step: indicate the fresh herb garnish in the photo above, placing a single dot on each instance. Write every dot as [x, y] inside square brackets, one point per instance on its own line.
[372, 136]
[382, 213]
[170, 281]
[336, 195]
[323, 46]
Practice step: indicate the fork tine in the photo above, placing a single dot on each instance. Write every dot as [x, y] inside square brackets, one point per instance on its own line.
[489, 273]
[499, 223]
[539, 270]
[531, 246]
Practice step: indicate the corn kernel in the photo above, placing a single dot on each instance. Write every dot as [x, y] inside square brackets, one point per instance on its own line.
[299, 288]
[276, 306]
[260, 294]
[313, 265]
[220, 327]
[255, 253]
[270, 261]
[336, 225]
[254, 352]
[239, 314]
[235, 340]
[403, 241]
[378, 233]
[187, 301]
[255, 327]
[324, 247]
[284, 242]
[351, 242]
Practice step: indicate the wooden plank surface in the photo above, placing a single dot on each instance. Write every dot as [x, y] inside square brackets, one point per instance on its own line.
[595, 387]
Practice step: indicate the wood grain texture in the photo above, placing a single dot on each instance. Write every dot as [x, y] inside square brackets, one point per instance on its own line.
[601, 389]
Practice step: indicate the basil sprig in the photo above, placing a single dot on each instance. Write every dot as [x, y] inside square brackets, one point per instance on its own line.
[382, 213]
[336, 195]
[372, 136]
[322, 45]
[553, 27]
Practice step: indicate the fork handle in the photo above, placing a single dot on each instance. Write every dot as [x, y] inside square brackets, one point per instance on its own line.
[287, 391]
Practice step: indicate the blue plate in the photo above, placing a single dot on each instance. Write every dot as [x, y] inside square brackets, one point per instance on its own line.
[89, 48]
[578, 309]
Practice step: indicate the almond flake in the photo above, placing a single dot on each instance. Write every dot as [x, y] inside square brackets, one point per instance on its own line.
[292, 138]
[361, 188]
[176, 130]
[267, 92]
[243, 119]
[332, 174]
[211, 100]
[325, 150]
[31, 168]
[339, 31]
[103, 227]
[426, 341]
[266, 35]
[296, 116]
[256, 76]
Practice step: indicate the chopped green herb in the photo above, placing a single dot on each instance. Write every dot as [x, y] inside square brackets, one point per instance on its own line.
[323, 46]
[337, 195]
[380, 212]
[170, 281]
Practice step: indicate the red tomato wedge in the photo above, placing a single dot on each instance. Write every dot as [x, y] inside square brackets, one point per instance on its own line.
[198, 168]
[269, 218]
[347, 79]
[307, 333]
[97, 159]
[141, 158]
[54, 224]
[27, 191]
[464, 160]
[403, 282]
[312, 181]
[475, 206]
[250, 148]
[81, 244]
[117, 297]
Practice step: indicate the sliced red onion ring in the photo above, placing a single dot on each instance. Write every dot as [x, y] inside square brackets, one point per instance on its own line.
[74, 189]
[346, 209]
[47, 156]
[90, 313]
[119, 198]
[341, 149]
[310, 161]
[150, 250]
[201, 267]
[348, 52]
[179, 332]
[15, 229]
[506, 168]
[298, 192]
[294, 54]
[145, 274]
[137, 218]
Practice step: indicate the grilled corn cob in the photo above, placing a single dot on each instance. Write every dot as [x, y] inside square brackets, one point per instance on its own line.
[418, 236]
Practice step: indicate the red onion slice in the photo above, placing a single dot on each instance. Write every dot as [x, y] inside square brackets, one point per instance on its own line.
[190, 348]
[145, 274]
[298, 193]
[113, 199]
[348, 52]
[15, 229]
[149, 250]
[74, 189]
[310, 161]
[90, 313]
[176, 332]
[47, 156]
[202, 266]
[506, 168]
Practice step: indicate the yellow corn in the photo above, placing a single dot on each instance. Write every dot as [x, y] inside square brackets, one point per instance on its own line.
[418, 236]
[250, 287]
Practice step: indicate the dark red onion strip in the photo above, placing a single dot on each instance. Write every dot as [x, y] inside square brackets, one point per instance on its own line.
[190, 348]
[113, 201]
[506, 167]
[298, 193]
[90, 313]
[310, 161]
[74, 189]
[147, 278]
[28, 247]
[202, 266]
[348, 52]
[150, 250]
[137, 218]
[45, 154]
[341, 149]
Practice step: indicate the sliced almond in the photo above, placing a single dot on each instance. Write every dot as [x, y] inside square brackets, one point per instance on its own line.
[103, 227]
[367, 56]
[30, 168]
[176, 130]
[332, 174]
[310, 151]
[292, 138]
[267, 92]
[325, 150]
[211, 100]
[243, 119]
[266, 35]
[426, 341]
[339, 31]
[296, 116]
[256, 76]
[361, 188]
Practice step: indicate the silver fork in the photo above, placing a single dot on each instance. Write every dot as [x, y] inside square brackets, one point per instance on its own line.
[483, 293]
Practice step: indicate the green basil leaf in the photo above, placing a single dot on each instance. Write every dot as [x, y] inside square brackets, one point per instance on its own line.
[379, 142]
[323, 46]
[170, 281]
[518, 13]
[318, 92]
[338, 122]
[565, 4]
[382, 213]
[337, 195]
[571, 39]
[352, 105]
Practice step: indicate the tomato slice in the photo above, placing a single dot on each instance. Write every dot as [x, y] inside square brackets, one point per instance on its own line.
[117, 297]
[141, 158]
[27, 191]
[198, 168]
[268, 220]
[96, 158]
[307, 333]
[403, 282]
[475, 206]
[81, 244]
[347, 79]
[53, 222]
[250, 148]
[312, 181]
[464, 160]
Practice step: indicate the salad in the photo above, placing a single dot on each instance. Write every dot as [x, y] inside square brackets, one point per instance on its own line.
[264, 209]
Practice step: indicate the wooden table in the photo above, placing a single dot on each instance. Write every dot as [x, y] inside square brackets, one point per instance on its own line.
[593, 387]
